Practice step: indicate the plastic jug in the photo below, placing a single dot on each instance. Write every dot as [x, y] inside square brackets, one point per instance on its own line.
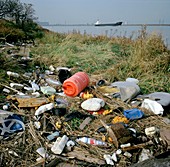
[75, 84]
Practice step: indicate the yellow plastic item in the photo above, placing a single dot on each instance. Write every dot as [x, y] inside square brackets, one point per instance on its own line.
[103, 138]
[86, 95]
[120, 119]
[58, 125]
[51, 98]
[106, 112]
[110, 139]
[108, 89]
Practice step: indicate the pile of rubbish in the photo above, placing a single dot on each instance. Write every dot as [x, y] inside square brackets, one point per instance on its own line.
[55, 117]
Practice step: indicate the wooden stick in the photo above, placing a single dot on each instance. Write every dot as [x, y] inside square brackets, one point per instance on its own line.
[142, 145]
[11, 88]
[57, 160]
[111, 134]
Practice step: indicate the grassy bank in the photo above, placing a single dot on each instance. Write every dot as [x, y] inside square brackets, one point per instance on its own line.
[113, 59]
[145, 58]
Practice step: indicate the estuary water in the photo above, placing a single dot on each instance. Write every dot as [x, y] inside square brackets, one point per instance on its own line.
[113, 31]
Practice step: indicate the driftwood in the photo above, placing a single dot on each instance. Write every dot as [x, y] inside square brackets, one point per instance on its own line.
[40, 162]
[31, 102]
[85, 156]
[57, 160]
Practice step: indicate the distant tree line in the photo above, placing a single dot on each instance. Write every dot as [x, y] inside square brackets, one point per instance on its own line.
[22, 15]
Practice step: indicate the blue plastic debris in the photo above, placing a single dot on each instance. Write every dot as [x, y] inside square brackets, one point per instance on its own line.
[11, 124]
[133, 114]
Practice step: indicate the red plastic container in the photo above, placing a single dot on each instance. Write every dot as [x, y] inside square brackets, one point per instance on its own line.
[75, 84]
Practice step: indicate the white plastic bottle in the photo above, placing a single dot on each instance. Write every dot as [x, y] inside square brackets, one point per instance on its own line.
[9, 73]
[53, 81]
[34, 86]
[16, 85]
[58, 146]
[44, 108]
[53, 135]
[48, 72]
[91, 141]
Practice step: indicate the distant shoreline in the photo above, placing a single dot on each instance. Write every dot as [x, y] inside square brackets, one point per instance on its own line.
[110, 25]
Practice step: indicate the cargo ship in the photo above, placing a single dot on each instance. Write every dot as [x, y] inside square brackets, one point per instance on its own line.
[108, 24]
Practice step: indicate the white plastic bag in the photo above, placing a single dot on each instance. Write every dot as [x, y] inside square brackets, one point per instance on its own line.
[153, 106]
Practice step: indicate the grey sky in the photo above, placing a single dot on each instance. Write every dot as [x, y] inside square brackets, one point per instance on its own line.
[88, 11]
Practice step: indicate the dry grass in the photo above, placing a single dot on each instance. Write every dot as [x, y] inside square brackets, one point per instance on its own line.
[145, 58]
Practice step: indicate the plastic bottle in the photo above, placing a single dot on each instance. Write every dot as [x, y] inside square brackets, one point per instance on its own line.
[9, 73]
[58, 146]
[16, 85]
[53, 81]
[91, 141]
[44, 108]
[53, 135]
[28, 89]
[6, 90]
[75, 84]
[35, 87]
[48, 90]
[125, 145]
[48, 72]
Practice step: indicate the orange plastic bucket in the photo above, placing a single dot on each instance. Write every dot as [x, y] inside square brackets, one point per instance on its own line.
[75, 84]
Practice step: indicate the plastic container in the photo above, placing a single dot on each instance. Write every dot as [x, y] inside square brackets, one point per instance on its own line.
[75, 84]
[133, 114]
[42, 152]
[151, 131]
[108, 159]
[58, 146]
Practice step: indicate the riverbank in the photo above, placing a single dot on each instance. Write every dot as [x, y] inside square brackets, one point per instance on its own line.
[105, 60]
